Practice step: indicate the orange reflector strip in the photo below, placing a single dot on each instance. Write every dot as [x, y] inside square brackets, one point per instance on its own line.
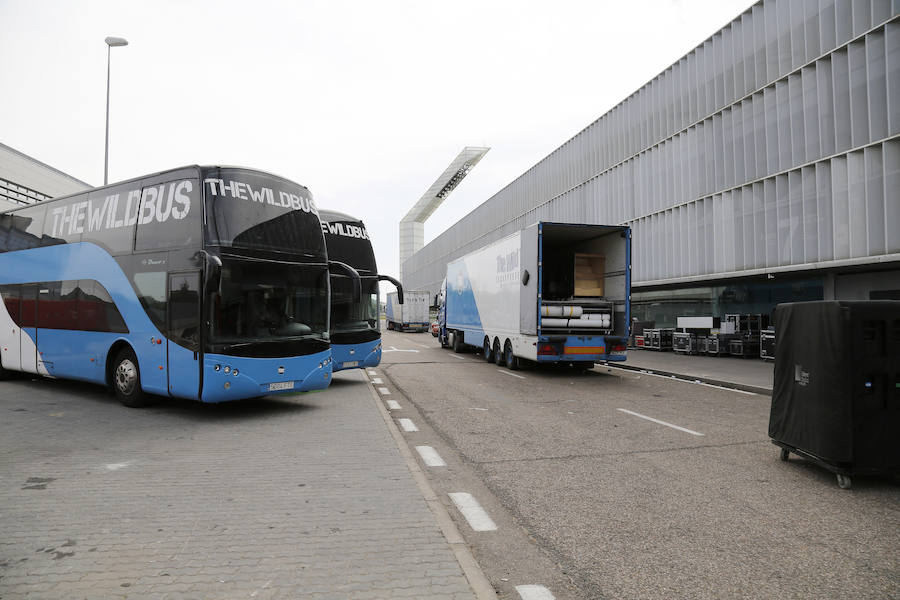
[584, 350]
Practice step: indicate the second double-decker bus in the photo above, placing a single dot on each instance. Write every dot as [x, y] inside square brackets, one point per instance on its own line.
[355, 329]
[208, 283]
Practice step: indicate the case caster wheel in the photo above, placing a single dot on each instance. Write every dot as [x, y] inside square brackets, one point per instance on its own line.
[844, 481]
[785, 453]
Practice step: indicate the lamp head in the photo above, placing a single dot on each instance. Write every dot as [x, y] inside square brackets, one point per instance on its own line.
[116, 41]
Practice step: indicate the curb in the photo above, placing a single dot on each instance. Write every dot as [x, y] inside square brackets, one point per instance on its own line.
[692, 378]
[478, 581]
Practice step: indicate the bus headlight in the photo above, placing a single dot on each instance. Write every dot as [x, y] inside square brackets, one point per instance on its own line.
[235, 372]
[227, 370]
[217, 367]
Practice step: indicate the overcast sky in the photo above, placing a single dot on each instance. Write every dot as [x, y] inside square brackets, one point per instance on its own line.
[365, 103]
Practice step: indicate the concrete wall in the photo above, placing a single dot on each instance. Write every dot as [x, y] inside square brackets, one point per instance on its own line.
[25, 180]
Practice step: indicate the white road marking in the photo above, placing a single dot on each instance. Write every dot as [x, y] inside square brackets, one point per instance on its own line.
[534, 592]
[430, 456]
[117, 466]
[408, 425]
[659, 422]
[393, 405]
[696, 382]
[421, 345]
[510, 374]
[476, 408]
[384, 391]
[377, 380]
[373, 373]
[459, 357]
[476, 516]
[392, 349]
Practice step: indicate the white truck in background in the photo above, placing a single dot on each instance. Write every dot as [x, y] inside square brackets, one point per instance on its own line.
[413, 314]
[552, 292]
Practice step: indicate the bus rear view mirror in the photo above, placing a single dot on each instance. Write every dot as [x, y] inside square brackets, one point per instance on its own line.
[396, 284]
[353, 273]
[212, 270]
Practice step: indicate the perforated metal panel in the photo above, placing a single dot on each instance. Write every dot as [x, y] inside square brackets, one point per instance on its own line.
[772, 145]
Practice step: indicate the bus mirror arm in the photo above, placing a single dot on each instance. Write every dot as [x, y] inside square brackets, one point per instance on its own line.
[353, 273]
[396, 284]
[212, 266]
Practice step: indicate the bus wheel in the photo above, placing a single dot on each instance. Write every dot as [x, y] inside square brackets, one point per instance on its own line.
[126, 379]
[512, 361]
[486, 349]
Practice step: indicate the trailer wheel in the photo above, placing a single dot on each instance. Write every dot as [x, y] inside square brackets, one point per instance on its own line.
[458, 346]
[486, 349]
[843, 481]
[512, 361]
[498, 353]
[785, 453]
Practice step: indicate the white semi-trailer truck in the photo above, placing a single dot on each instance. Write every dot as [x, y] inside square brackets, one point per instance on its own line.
[552, 292]
[412, 314]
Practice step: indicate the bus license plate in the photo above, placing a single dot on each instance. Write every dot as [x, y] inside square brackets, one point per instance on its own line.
[352, 363]
[284, 385]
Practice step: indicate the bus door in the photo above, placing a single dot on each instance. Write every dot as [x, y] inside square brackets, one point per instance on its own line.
[184, 334]
[10, 336]
[28, 333]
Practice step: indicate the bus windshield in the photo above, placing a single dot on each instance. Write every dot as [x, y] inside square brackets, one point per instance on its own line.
[252, 211]
[347, 315]
[267, 308]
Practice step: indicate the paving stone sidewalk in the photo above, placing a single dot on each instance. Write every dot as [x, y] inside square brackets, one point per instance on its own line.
[303, 496]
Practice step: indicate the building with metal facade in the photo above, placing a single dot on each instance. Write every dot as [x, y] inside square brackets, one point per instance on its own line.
[762, 167]
[25, 180]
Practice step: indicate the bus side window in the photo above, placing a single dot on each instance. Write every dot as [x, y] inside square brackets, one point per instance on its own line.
[25, 232]
[184, 309]
[5, 227]
[96, 309]
[151, 287]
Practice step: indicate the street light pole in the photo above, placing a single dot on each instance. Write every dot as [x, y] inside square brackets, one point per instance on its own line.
[110, 42]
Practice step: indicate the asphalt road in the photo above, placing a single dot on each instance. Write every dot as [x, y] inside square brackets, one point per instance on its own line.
[593, 500]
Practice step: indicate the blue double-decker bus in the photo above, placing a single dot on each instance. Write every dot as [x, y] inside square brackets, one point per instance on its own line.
[355, 329]
[207, 283]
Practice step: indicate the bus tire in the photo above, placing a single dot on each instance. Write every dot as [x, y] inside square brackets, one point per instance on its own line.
[126, 380]
[512, 361]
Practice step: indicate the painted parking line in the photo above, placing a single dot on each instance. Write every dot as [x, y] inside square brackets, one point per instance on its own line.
[476, 516]
[430, 456]
[393, 405]
[694, 381]
[372, 373]
[459, 357]
[510, 374]
[407, 425]
[377, 380]
[384, 391]
[421, 345]
[534, 592]
[659, 422]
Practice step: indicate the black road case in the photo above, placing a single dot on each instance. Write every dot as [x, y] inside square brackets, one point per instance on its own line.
[744, 346]
[717, 345]
[658, 339]
[767, 344]
[836, 396]
[684, 343]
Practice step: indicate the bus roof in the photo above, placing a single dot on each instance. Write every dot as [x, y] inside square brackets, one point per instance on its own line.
[193, 168]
